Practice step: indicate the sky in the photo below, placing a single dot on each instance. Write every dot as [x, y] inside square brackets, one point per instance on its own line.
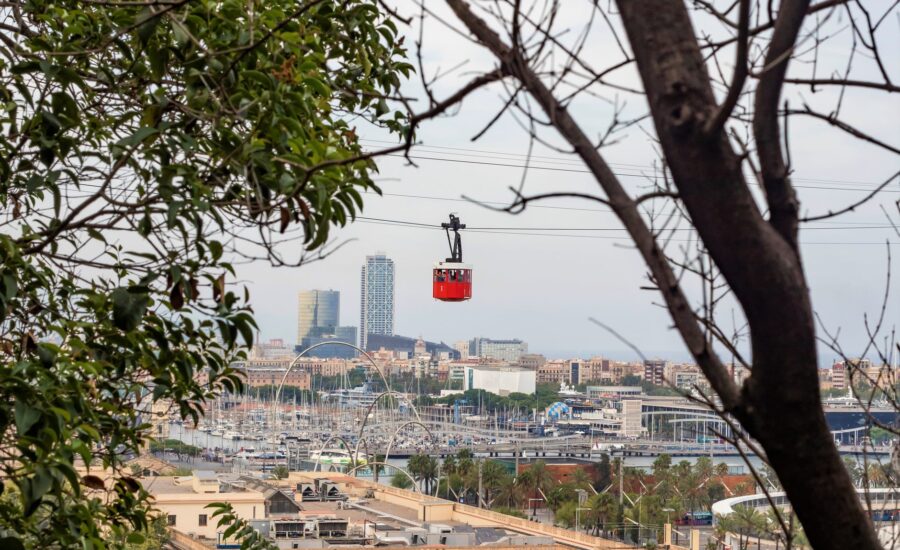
[543, 283]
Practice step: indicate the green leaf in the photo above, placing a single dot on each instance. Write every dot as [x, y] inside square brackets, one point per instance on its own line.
[128, 308]
[139, 136]
[26, 416]
[149, 21]
[135, 538]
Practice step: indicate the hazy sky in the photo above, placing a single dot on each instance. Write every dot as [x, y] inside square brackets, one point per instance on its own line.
[543, 288]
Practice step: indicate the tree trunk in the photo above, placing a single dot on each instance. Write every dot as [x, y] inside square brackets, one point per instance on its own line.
[780, 404]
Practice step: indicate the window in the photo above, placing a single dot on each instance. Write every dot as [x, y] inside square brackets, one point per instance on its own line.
[170, 520]
[202, 520]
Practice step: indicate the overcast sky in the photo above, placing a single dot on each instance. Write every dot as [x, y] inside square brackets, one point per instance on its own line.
[542, 288]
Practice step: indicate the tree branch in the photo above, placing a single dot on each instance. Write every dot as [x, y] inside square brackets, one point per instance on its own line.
[717, 122]
[853, 206]
[619, 200]
[780, 195]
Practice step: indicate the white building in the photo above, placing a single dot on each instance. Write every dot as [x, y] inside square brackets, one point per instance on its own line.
[376, 298]
[500, 380]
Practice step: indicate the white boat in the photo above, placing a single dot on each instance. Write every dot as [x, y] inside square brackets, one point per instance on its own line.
[333, 456]
[231, 434]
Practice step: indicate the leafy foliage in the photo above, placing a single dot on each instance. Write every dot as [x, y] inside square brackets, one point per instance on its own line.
[237, 529]
[144, 147]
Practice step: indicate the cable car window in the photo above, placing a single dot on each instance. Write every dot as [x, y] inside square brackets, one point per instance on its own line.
[453, 275]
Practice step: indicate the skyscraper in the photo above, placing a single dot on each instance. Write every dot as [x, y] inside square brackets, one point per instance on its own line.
[376, 298]
[318, 313]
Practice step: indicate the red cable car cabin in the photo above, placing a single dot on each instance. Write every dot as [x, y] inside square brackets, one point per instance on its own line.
[452, 279]
[452, 282]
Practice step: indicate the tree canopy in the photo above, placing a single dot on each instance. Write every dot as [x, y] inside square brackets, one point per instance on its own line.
[146, 146]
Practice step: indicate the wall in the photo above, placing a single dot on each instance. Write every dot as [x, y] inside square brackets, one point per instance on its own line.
[500, 381]
[187, 513]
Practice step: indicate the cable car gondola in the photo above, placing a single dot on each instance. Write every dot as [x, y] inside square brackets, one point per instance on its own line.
[452, 279]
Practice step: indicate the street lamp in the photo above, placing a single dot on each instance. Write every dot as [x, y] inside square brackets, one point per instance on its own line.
[667, 511]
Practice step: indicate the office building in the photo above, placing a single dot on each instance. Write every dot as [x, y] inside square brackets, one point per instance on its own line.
[318, 321]
[503, 350]
[376, 298]
[318, 313]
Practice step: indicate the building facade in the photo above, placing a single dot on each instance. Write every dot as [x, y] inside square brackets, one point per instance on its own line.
[503, 350]
[318, 313]
[500, 380]
[655, 371]
[553, 372]
[376, 298]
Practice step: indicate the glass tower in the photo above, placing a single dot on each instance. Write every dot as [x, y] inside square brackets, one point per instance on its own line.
[318, 313]
[376, 298]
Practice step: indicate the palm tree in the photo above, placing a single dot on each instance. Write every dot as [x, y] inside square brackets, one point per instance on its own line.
[561, 494]
[508, 493]
[580, 479]
[416, 467]
[603, 508]
[875, 472]
[536, 480]
[430, 472]
[721, 469]
[492, 474]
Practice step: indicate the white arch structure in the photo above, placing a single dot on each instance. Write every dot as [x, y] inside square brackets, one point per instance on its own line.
[387, 453]
[388, 391]
[386, 465]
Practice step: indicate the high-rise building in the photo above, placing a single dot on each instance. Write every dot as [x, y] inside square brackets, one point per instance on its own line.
[318, 313]
[376, 298]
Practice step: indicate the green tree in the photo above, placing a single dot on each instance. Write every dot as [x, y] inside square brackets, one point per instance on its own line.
[507, 492]
[536, 480]
[604, 473]
[424, 469]
[565, 514]
[144, 147]
[604, 509]
[560, 495]
[400, 481]
[280, 472]
[580, 479]
[493, 476]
